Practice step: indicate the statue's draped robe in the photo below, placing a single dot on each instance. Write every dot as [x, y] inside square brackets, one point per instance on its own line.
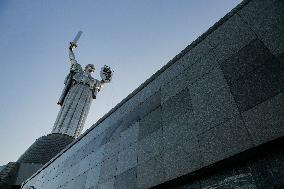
[80, 89]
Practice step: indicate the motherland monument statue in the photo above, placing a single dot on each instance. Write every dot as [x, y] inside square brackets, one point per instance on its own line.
[79, 91]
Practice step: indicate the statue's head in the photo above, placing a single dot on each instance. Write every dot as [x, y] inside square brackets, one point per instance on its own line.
[90, 68]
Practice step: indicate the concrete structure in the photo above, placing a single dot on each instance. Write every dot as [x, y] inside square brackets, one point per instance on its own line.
[211, 118]
[40, 152]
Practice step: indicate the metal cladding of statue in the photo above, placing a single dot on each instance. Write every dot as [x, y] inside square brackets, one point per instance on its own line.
[79, 91]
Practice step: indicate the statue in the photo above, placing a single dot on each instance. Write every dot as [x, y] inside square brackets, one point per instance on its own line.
[79, 91]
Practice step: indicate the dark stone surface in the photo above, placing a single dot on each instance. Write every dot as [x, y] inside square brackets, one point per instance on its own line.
[266, 19]
[176, 105]
[151, 172]
[178, 132]
[129, 136]
[258, 85]
[181, 160]
[108, 169]
[150, 123]
[126, 180]
[132, 117]
[127, 159]
[266, 120]
[150, 104]
[230, 37]
[257, 168]
[212, 101]
[150, 146]
[246, 60]
[223, 141]
[45, 148]
[280, 57]
[194, 72]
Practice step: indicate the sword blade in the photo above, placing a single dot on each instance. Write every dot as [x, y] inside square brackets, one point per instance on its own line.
[77, 37]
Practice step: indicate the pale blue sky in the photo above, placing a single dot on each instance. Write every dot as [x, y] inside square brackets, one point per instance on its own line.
[135, 38]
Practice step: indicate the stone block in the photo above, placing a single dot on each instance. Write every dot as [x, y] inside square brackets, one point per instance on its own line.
[129, 136]
[212, 101]
[174, 86]
[179, 161]
[93, 175]
[246, 60]
[150, 146]
[195, 71]
[176, 106]
[150, 104]
[224, 140]
[112, 147]
[230, 37]
[126, 180]
[175, 133]
[203, 66]
[96, 157]
[259, 85]
[108, 169]
[266, 18]
[130, 118]
[107, 185]
[199, 51]
[265, 121]
[108, 134]
[150, 123]
[151, 172]
[127, 159]
[80, 181]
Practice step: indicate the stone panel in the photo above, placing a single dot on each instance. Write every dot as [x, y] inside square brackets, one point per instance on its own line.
[107, 185]
[176, 133]
[126, 180]
[190, 75]
[230, 37]
[181, 160]
[108, 169]
[199, 51]
[267, 20]
[151, 172]
[150, 123]
[246, 60]
[176, 106]
[129, 119]
[150, 146]
[266, 121]
[259, 85]
[224, 140]
[127, 159]
[112, 147]
[212, 101]
[93, 175]
[150, 104]
[129, 136]
[80, 181]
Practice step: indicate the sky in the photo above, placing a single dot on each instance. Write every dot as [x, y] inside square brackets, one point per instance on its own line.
[134, 37]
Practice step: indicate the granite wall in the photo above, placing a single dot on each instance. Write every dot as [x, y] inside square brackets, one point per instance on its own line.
[220, 97]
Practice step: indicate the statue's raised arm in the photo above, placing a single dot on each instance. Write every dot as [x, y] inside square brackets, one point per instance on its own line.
[75, 68]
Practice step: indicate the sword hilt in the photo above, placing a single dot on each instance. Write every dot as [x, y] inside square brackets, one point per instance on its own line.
[74, 44]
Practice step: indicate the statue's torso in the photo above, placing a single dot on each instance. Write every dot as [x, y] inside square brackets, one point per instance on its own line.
[84, 78]
[78, 76]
